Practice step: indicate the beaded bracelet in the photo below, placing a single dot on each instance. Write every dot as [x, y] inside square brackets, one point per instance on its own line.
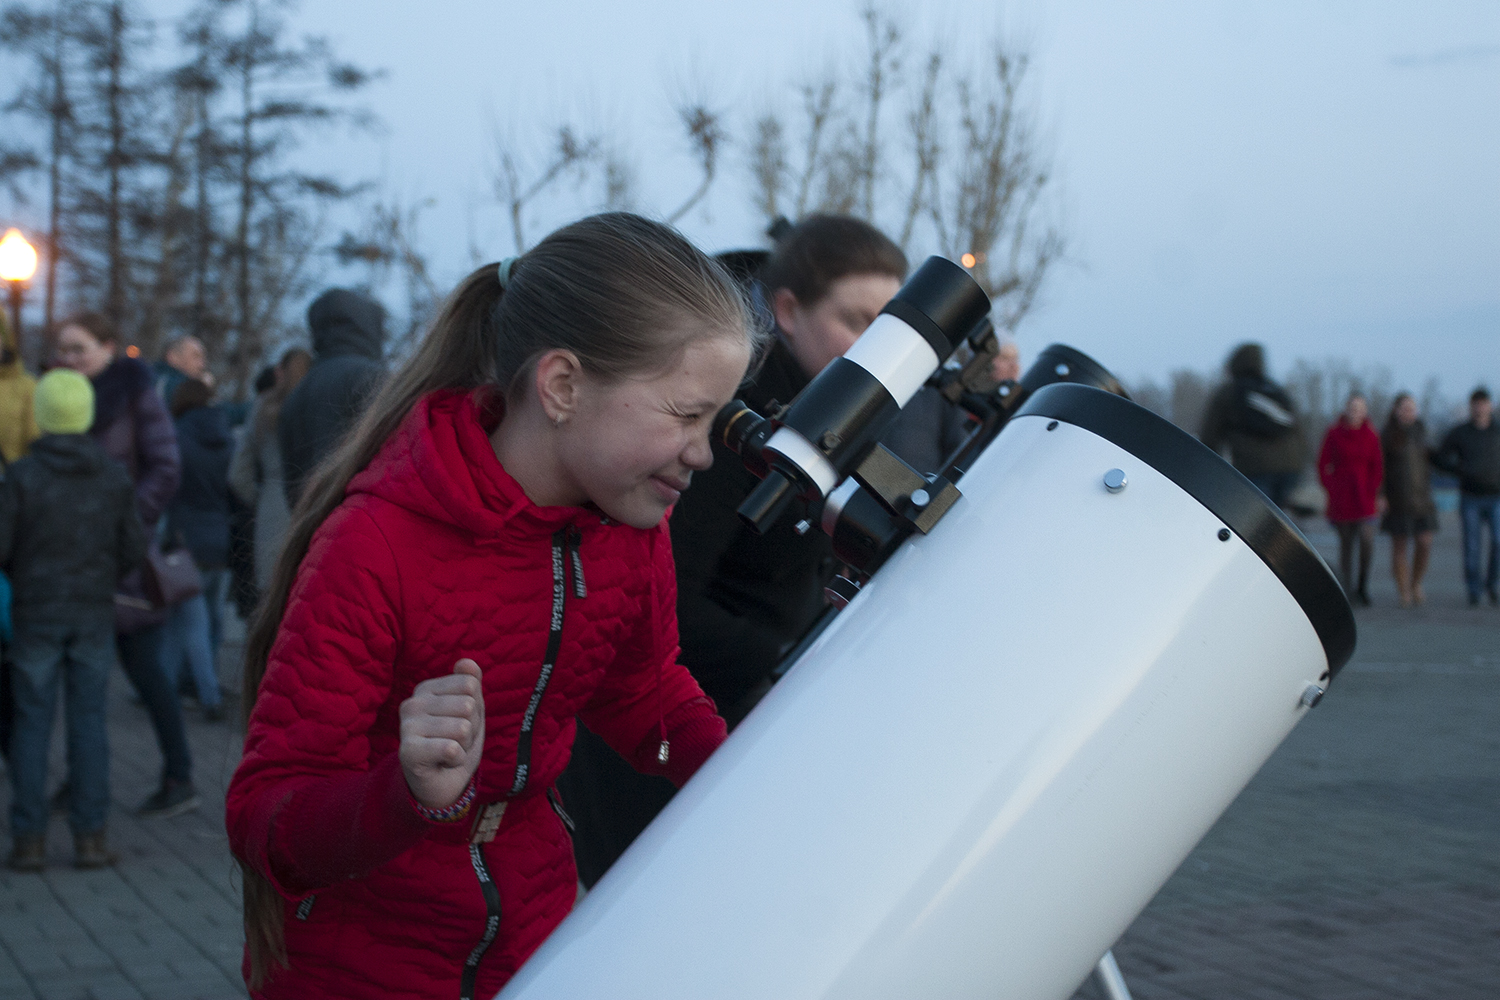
[449, 814]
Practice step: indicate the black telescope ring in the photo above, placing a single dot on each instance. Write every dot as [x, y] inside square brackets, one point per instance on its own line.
[1217, 485]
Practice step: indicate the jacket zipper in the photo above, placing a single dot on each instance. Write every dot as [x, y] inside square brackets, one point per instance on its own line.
[564, 542]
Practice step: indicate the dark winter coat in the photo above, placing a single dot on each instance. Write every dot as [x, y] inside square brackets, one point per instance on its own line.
[435, 554]
[1351, 468]
[132, 424]
[199, 514]
[68, 527]
[1473, 455]
[1408, 483]
[1252, 454]
[348, 337]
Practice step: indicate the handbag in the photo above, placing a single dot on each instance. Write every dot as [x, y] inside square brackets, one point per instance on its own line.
[169, 575]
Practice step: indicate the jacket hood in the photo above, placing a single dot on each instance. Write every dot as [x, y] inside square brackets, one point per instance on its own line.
[207, 425]
[345, 322]
[439, 464]
[1248, 361]
[116, 386]
[68, 454]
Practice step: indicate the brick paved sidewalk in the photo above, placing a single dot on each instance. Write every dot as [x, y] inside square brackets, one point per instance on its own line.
[165, 922]
[1362, 862]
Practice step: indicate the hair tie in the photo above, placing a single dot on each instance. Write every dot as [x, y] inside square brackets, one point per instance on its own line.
[502, 272]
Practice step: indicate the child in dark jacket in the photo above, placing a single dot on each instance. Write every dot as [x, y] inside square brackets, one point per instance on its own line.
[68, 532]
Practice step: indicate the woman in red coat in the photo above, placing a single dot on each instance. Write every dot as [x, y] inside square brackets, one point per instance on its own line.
[485, 559]
[1351, 467]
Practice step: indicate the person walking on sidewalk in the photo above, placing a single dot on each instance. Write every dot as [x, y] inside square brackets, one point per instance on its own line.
[1471, 451]
[133, 427]
[1254, 419]
[199, 517]
[68, 532]
[1410, 513]
[348, 339]
[1351, 469]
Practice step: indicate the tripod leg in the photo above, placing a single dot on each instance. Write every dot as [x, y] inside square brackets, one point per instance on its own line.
[1110, 979]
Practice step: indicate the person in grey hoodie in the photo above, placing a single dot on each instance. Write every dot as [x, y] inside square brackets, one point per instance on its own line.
[348, 340]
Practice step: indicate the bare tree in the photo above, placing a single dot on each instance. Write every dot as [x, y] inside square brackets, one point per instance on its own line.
[706, 137]
[976, 186]
[570, 155]
[390, 245]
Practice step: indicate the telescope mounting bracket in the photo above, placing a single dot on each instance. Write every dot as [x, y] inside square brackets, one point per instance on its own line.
[903, 491]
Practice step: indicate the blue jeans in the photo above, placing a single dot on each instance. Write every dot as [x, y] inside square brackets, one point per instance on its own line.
[140, 655]
[77, 652]
[187, 638]
[1475, 513]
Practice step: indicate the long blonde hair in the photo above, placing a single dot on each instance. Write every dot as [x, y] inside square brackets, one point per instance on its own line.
[623, 293]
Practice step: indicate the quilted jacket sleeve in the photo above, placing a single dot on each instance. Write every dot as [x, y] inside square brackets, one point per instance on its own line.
[159, 463]
[647, 696]
[307, 805]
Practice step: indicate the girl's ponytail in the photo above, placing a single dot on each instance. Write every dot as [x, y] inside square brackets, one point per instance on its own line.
[458, 352]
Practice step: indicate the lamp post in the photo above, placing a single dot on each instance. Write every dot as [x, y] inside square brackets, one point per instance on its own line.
[17, 265]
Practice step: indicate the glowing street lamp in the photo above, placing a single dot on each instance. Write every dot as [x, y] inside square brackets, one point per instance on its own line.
[17, 265]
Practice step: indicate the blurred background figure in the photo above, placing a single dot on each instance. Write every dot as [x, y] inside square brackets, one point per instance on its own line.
[1007, 364]
[68, 532]
[1410, 512]
[1351, 469]
[1255, 420]
[185, 357]
[17, 421]
[1471, 451]
[256, 474]
[132, 425]
[199, 517]
[348, 340]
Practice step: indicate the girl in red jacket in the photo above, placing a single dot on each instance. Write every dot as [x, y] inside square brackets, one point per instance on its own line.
[483, 560]
[1351, 467]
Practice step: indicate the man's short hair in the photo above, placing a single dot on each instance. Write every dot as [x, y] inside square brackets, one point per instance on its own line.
[1479, 395]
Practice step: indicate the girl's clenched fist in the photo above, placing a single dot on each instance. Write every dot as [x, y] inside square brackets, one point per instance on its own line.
[442, 735]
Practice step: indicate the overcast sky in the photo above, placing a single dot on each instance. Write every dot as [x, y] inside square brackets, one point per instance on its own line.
[1321, 176]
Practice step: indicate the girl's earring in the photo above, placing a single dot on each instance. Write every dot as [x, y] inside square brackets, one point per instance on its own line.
[558, 420]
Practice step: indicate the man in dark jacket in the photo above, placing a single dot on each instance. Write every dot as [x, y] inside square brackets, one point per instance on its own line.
[1253, 417]
[68, 531]
[348, 338]
[743, 599]
[1471, 451]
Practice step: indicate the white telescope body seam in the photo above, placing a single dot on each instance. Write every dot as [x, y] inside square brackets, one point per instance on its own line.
[981, 772]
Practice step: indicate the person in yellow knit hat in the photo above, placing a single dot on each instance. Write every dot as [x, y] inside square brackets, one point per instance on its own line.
[68, 531]
[17, 424]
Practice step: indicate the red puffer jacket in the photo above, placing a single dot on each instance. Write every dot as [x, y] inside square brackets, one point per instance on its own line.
[437, 554]
[1350, 467]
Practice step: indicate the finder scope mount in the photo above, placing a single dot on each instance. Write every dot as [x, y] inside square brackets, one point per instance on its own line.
[831, 428]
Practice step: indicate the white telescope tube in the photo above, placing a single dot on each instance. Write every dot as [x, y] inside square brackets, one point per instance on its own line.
[988, 764]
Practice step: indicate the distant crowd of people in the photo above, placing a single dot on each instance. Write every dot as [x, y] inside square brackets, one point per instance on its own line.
[133, 507]
[1370, 478]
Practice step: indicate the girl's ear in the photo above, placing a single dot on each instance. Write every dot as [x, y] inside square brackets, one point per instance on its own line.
[559, 376]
